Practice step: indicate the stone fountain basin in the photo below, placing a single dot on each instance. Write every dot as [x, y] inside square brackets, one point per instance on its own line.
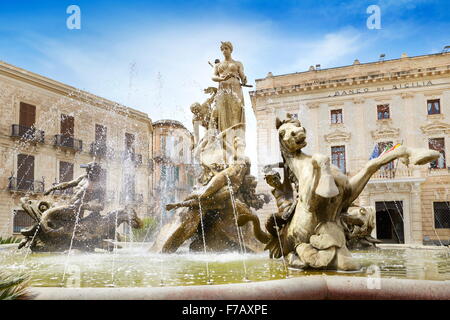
[133, 273]
[304, 288]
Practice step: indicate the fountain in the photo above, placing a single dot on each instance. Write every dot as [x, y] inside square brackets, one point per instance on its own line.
[214, 214]
[212, 245]
[312, 227]
[63, 227]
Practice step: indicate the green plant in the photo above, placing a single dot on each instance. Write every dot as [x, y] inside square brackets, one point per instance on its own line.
[149, 226]
[9, 240]
[14, 287]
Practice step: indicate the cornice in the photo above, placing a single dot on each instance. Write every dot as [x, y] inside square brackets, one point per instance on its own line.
[385, 130]
[337, 136]
[337, 84]
[36, 80]
[436, 127]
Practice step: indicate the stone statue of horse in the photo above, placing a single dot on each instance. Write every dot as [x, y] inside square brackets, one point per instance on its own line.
[313, 234]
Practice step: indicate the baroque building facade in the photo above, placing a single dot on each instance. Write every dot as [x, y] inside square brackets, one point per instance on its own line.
[353, 113]
[48, 129]
[173, 173]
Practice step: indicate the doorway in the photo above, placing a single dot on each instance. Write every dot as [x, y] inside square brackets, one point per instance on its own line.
[389, 221]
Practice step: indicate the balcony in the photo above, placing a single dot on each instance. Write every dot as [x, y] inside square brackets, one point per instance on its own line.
[30, 134]
[67, 142]
[133, 157]
[100, 149]
[131, 198]
[23, 185]
[393, 173]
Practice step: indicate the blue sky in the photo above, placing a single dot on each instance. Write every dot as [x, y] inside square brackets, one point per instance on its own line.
[153, 56]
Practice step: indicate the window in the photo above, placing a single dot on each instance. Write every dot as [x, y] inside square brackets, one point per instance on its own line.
[170, 147]
[163, 173]
[66, 173]
[176, 174]
[338, 157]
[180, 148]
[438, 144]
[383, 111]
[27, 115]
[190, 180]
[129, 142]
[434, 106]
[66, 138]
[67, 126]
[336, 116]
[25, 172]
[100, 134]
[21, 220]
[441, 215]
[27, 118]
[162, 146]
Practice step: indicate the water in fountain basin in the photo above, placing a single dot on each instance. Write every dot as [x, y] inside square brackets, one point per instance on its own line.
[136, 268]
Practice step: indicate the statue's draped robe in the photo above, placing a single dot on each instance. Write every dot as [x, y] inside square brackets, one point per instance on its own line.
[229, 100]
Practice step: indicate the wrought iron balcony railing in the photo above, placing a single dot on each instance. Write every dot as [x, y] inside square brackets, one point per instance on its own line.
[24, 185]
[68, 142]
[30, 134]
[393, 173]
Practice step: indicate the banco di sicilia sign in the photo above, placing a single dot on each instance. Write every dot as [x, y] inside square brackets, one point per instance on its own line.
[405, 85]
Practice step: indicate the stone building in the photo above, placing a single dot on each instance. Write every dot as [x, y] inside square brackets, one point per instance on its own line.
[173, 173]
[48, 129]
[350, 112]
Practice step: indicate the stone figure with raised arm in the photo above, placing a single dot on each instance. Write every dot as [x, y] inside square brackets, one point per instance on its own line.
[89, 194]
[59, 227]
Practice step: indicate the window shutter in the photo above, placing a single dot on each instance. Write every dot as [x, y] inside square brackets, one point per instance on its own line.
[27, 116]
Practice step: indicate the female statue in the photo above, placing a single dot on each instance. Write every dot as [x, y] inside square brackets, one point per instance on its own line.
[229, 101]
